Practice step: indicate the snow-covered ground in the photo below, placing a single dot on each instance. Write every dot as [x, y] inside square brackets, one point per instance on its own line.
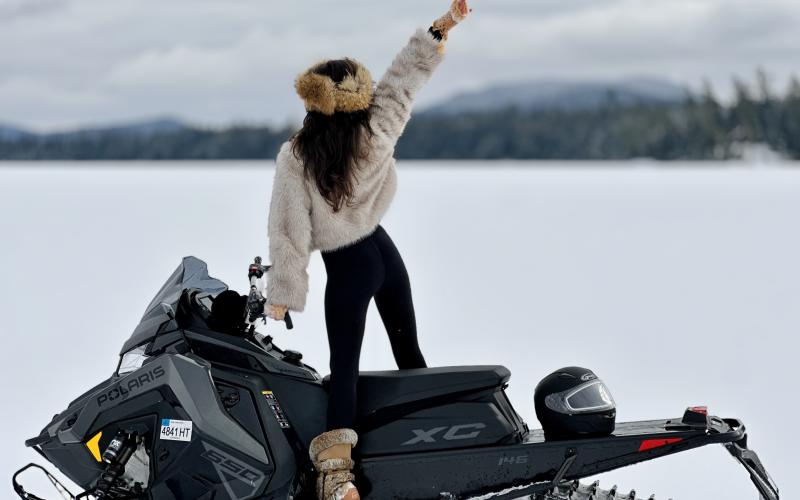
[678, 286]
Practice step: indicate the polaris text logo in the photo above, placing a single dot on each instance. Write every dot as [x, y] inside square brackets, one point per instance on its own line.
[132, 384]
[453, 433]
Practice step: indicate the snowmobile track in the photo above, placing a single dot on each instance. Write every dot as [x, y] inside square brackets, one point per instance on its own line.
[578, 491]
[568, 490]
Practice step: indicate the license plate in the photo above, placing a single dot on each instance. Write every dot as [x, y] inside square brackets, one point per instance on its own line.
[176, 430]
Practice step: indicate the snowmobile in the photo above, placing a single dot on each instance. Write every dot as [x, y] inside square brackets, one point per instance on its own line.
[202, 405]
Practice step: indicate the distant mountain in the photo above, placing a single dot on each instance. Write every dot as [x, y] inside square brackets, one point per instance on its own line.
[144, 128]
[160, 139]
[562, 95]
[11, 133]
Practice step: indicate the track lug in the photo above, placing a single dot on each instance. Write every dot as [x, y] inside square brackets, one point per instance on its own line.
[574, 490]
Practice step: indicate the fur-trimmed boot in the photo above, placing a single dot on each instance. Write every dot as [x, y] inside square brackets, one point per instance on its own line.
[330, 453]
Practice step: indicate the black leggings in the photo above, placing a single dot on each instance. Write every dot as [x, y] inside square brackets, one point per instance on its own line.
[369, 268]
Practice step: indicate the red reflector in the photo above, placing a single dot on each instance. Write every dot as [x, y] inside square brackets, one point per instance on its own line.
[649, 444]
[702, 410]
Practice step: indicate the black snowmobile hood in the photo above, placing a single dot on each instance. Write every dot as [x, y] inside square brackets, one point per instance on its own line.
[192, 273]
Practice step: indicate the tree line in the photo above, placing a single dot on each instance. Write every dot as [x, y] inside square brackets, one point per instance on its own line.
[189, 143]
[698, 128]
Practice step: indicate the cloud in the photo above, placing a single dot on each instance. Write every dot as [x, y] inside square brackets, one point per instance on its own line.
[215, 61]
[685, 41]
[11, 9]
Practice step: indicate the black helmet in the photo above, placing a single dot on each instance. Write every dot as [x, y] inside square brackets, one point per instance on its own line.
[573, 402]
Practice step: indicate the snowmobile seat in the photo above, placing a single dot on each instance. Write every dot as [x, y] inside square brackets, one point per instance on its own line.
[383, 389]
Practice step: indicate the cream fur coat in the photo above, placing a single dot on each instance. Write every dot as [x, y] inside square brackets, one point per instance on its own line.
[300, 219]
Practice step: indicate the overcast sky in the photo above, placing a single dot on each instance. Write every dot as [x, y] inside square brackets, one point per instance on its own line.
[70, 62]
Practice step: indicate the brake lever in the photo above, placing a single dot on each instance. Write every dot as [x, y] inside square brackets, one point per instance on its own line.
[288, 320]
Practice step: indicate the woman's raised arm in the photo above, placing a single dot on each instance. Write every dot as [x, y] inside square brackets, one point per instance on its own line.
[410, 70]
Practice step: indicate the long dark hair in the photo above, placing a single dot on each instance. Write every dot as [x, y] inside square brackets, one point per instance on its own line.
[329, 146]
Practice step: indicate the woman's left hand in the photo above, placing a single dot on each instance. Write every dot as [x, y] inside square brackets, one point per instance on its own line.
[459, 10]
[277, 312]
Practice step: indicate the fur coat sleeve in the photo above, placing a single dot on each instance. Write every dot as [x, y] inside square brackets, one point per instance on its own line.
[289, 229]
[394, 95]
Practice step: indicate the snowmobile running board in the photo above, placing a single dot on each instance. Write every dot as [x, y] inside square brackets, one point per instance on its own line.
[545, 469]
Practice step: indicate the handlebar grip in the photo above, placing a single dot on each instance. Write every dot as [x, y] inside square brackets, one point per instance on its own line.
[288, 320]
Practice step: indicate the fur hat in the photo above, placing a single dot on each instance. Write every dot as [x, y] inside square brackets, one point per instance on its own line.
[320, 93]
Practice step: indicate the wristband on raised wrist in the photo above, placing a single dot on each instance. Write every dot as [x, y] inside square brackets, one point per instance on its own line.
[435, 33]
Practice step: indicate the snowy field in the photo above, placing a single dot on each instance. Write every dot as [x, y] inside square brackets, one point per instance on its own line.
[678, 286]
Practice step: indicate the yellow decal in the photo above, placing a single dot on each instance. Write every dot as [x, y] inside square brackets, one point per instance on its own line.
[266, 392]
[94, 446]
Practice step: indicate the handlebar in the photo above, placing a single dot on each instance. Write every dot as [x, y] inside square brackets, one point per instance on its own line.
[256, 302]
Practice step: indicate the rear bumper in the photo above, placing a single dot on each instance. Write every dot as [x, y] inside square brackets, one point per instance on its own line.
[750, 461]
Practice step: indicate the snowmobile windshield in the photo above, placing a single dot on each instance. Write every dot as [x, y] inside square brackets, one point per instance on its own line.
[192, 273]
[589, 397]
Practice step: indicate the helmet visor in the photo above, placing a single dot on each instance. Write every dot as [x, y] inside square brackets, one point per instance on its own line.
[590, 397]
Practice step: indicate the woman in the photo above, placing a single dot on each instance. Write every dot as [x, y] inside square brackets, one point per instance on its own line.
[334, 182]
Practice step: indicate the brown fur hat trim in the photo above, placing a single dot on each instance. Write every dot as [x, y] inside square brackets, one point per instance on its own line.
[316, 91]
[321, 94]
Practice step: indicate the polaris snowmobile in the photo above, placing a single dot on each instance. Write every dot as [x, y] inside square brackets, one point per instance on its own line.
[204, 406]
